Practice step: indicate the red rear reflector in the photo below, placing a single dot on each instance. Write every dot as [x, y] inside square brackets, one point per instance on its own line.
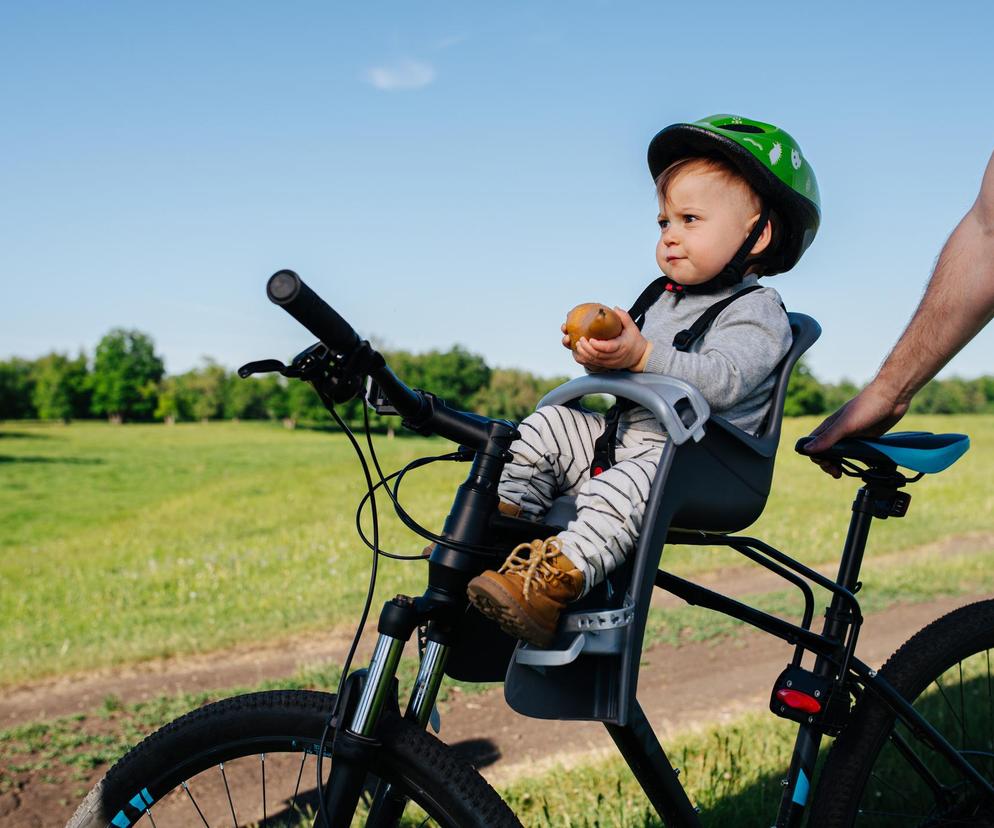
[799, 701]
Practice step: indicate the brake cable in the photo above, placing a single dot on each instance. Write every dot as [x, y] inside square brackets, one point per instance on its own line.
[405, 518]
[411, 524]
[336, 713]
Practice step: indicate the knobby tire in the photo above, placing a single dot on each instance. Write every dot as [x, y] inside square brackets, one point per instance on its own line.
[215, 759]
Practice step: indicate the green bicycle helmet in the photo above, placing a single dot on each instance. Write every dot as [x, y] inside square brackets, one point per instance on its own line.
[769, 159]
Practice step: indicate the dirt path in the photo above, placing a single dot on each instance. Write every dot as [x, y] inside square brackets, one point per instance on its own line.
[246, 666]
[678, 690]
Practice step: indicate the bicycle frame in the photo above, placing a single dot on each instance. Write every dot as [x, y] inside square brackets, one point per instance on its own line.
[636, 741]
[335, 371]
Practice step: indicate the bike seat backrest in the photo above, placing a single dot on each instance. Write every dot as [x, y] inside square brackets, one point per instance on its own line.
[726, 477]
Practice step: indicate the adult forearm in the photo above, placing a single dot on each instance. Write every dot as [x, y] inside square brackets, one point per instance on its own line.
[958, 302]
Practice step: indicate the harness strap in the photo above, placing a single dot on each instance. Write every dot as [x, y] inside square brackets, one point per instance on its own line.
[604, 445]
[684, 340]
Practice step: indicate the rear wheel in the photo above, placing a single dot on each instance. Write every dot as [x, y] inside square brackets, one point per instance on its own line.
[252, 760]
[879, 774]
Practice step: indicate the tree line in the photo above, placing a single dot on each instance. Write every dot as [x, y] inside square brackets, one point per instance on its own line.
[125, 380]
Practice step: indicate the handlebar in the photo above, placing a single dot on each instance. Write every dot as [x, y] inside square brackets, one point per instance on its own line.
[286, 289]
[420, 410]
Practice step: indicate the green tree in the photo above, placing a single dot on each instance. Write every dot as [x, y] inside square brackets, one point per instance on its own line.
[206, 388]
[126, 374]
[839, 394]
[951, 396]
[986, 386]
[512, 394]
[805, 395]
[304, 405]
[255, 398]
[61, 388]
[455, 375]
[170, 404]
[16, 390]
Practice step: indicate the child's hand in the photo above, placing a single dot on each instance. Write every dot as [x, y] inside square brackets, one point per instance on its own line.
[623, 352]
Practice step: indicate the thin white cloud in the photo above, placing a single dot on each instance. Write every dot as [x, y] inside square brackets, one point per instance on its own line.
[400, 75]
[453, 40]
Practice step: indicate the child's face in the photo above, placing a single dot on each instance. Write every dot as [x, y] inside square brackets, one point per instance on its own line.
[703, 220]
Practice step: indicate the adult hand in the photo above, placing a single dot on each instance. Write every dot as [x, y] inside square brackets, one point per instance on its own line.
[870, 413]
[618, 354]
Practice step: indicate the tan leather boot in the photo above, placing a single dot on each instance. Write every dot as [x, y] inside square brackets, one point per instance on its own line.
[509, 509]
[529, 591]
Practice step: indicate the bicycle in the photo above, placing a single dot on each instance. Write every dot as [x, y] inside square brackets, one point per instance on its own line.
[914, 742]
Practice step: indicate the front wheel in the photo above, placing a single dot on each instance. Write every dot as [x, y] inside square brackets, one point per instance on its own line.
[252, 760]
[879, 775]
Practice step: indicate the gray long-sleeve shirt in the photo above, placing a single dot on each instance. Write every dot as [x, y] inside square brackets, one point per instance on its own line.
[732, 365]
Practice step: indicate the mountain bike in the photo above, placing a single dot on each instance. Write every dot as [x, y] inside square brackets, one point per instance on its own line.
[914, 741]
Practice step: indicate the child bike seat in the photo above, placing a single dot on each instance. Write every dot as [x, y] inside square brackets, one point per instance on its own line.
[919, 451]
[729, 471]
[711, 477]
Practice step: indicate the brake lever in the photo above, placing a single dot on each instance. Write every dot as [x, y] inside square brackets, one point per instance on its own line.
[308, 364]
[262, 366]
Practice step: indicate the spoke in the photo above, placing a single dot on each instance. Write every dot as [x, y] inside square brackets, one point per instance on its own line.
[234, 819]
[887, 783]
[903, 816]
[900, 814]
[189, 793]
[296, 790]
[945, 698]
[917, 764]
[148, 811]
[262, 756]
[990, 708]
[962, 703]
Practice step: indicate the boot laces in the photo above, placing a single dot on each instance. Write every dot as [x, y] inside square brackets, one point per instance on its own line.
[537, 562]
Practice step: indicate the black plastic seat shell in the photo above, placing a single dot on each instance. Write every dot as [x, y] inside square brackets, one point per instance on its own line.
[715, 482]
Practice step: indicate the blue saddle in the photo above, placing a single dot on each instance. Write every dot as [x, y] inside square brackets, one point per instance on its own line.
[919, 451]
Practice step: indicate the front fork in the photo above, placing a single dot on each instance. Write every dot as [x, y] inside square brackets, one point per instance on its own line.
[356, 743]
[441, 606]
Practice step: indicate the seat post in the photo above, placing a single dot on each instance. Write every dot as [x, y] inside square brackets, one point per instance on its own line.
[850, 565]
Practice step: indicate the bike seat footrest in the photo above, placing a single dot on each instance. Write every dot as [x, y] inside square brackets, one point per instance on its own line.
[595, 633]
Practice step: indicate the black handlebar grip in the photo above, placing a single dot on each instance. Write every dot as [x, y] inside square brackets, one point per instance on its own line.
[287, 289]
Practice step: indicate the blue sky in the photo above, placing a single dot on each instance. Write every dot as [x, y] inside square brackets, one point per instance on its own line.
[457, 172]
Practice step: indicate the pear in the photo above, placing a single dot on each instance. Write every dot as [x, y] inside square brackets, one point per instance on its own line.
[592, 320]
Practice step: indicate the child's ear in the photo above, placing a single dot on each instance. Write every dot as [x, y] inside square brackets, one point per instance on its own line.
[764, 240]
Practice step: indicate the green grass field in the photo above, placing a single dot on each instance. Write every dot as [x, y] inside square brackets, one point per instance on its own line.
[125, 543]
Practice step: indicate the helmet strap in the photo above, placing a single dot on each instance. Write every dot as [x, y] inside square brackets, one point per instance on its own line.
[734, 271]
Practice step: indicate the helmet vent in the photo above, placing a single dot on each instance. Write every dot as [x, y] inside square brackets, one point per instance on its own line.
[741, 128]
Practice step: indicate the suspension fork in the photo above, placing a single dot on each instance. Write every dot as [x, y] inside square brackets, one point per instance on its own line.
[443, 603]
[356, 743]
[388, 804]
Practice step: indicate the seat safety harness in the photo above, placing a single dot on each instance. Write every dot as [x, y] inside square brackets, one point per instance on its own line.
[683, 341]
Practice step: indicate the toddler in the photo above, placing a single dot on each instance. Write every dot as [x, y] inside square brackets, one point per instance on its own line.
[737, 200]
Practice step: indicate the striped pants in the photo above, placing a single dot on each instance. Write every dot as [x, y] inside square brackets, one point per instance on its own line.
[552, 458]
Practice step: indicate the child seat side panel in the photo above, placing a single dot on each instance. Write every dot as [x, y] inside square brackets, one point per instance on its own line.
[659, 513]
[601, 687]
